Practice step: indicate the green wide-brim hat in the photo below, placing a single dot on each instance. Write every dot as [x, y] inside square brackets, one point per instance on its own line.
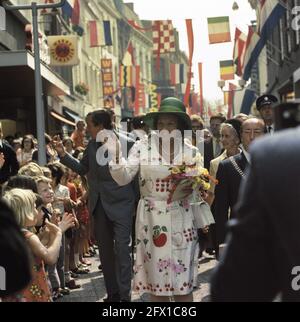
[170, 105]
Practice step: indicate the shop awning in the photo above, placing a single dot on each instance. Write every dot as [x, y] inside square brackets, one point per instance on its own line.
[17, 76]
[75, 117]
[60, 118]
[297, 76]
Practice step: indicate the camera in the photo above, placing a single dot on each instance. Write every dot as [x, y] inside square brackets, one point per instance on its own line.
[287, 115]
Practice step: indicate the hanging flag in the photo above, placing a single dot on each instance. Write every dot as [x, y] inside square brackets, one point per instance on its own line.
[153, 98]
[137, 27]
[94, 42]
[190, 34]
[226, 70]
[129, 59]
[178, 75]
[252, 50]
[163, 37]
[67, 10]
[100, 34]
[76, 13]
[226, 98]
[238, 50]
[125, 76]
[129, 76]
[136, 84]
[269, 14]
[219, 30]
[194, 104]
[106, 37]
[243, 101]
[200, 68]
[231, 109]
[63, 50]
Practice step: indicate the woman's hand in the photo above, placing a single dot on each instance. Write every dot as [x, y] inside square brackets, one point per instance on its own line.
[205, 230]
[183, 190]
[66, 222]
[53, 229]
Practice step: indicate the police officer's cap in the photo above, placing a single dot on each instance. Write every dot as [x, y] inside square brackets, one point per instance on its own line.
[265, 100]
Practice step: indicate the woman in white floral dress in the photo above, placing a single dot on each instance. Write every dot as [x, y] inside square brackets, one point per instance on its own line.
[166, 236]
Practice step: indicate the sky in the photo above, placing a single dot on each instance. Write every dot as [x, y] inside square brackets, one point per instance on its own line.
[199, 11]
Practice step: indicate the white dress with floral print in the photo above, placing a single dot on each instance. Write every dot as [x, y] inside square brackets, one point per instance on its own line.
[166, 237]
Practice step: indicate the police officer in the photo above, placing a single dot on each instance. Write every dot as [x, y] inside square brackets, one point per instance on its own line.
[264, 105]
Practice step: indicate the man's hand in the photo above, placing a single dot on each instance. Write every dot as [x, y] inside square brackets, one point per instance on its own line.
[58, 146]
[2, 160]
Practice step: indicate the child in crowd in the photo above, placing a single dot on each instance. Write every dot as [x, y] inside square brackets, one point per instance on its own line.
[22, 202]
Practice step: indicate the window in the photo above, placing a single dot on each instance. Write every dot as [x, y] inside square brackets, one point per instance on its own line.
[288, 20]
[281, 35]
[297, 32]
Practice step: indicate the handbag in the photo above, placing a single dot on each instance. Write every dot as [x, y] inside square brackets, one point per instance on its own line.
[202, 214]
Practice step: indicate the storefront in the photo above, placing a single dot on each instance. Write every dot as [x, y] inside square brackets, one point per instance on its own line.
[297, 83]
[17, 90]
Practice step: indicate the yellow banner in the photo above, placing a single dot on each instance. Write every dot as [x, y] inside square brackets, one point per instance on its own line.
[63, 50]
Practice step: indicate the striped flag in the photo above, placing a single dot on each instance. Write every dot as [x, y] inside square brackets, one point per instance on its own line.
[270, 12]
[219, 30]
[231, 109]
[100, 34]
[67, 10]
[200, 68]
[226, 98]
[252, 50]
[125, 76]
[129, 59]
[178, 75]
[243, 101]
[226, 69]
[76, 13]
[129, 76]
[238, 50]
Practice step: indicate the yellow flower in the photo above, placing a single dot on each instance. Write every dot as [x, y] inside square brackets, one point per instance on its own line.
[175, 170]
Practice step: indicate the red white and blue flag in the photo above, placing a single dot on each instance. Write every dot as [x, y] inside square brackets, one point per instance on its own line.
[270, 11]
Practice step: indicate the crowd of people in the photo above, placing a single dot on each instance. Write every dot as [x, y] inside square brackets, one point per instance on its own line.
[73, 205]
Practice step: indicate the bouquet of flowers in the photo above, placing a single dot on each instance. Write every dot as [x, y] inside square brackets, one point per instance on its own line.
[186, 175]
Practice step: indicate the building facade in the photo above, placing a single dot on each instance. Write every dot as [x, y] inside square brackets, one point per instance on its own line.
[283, 55]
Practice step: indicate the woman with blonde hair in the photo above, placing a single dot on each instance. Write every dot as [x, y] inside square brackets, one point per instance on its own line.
[32, 170]
[22, 202]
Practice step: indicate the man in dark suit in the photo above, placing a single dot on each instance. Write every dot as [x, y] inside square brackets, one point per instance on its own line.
[265, 106]
[112, 207]
[230, 174]
[262, 258]
[10, 165]
[213, 147]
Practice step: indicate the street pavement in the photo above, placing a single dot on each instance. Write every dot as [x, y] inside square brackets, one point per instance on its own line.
[93, 289]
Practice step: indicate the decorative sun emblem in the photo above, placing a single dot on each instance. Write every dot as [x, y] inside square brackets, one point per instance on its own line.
[63, 51]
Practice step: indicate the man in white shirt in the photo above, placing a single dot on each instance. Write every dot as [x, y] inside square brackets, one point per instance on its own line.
[265, 104]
